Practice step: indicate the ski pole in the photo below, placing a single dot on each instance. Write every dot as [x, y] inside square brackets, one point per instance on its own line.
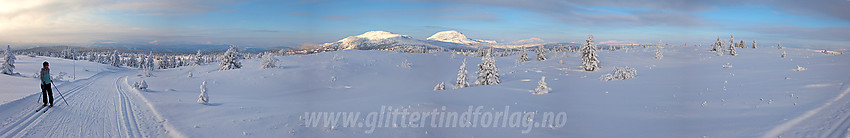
[60, 94]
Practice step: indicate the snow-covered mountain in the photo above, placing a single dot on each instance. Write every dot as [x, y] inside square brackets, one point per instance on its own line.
[388, 41]
[453, 36]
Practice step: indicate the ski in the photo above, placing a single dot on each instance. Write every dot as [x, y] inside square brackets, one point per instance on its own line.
[39, 109]
[45, 109]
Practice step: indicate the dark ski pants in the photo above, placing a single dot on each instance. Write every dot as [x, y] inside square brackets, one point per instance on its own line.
[45, 93]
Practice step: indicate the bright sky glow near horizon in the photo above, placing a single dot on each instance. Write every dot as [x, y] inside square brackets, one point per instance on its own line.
[250, 23]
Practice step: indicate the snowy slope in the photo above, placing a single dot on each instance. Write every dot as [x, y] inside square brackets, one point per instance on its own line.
[453, 36]
[25, 84]
[688, 93]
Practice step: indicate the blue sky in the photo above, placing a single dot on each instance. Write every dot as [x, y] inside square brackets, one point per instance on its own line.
[809, 24]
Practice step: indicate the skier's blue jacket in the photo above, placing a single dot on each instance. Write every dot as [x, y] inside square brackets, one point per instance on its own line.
[45, 76]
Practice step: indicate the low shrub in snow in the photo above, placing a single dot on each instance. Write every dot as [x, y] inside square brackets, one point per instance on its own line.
[541, 87]
[441, 86]
[799, 68]
[141, 85]
[620, 74]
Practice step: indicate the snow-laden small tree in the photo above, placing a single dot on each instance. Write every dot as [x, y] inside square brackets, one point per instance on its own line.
[199, 59]
[231, 59]
[441, 86]
[142, 61]
[92, 57]
[204, 98]
[541, 87]
[143, 85]
[131, 62]
[741, 44]
[800, 68]
[620, 74]
[488, 73]
[462, 80]
[149, 66]
[9, 61]
[783, 54]
[779, 46]
[524, 56]
[269, 62]
[658, 50]
[114, 59]
[588, 55]
[540, 54]
[732, 41]
[754, 44]
[717, 46]
[406, 64]
[732, 51]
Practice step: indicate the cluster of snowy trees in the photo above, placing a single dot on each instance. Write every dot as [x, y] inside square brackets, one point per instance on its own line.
[488, 73]
[731, 47]
[148, 60]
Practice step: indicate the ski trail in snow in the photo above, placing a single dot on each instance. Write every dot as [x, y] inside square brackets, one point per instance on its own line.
[787, 125]
[102, 106]
[33, 118]
[128, 117]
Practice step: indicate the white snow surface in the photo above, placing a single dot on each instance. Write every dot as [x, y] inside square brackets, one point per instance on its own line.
[685, 94]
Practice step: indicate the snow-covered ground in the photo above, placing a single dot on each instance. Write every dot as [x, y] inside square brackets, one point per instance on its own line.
[688, 93]
[24, 84]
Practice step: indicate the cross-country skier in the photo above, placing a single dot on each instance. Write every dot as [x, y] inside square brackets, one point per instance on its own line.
[45, 85]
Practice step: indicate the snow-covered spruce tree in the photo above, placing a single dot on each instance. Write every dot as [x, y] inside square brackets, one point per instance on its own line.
[199, 59]
[114, 59]
[131, 61]
[717, 46]
[783, 54]
[462, 80]
[92, 57]
[732, 51]
[9, 61]
[231, 59]
[754, 44]
[658, 50]
[588, 55]
[541, 87]
[731, 42]
[204, 98]
[779, 46]
[540, 54]
[149, 66]
[524, 56]
[163, 63]
[488, 73]
[441, 86]
[269, 62]
[741, 44]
